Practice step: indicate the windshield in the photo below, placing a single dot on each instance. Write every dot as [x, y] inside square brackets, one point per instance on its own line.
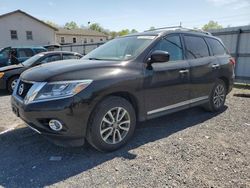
[29, 62]
[120, 49]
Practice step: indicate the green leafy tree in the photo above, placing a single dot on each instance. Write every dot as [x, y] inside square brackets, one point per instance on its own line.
[123, 32]
[133, 31]
[212, 25]
[51, 23]
[96, 27]
[71, 25]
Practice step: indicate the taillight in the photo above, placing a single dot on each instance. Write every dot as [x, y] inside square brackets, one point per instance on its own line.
[232, 61]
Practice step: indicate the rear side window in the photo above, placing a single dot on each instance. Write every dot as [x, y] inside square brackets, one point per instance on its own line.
[172, 45]
[196, 47]
[37, 51]
[70, 56]
[25, 52]
[216, 47]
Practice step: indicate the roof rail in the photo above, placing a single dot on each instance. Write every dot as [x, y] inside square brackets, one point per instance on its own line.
[180, 28]
[164, 28]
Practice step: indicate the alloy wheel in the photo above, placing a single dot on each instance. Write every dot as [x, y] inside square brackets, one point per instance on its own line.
[115, 125]
[219, 96]
[13, 84]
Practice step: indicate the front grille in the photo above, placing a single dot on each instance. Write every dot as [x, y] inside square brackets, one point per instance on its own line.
[23, 89]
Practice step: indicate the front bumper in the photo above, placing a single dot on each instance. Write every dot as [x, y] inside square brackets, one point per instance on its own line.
[72, 112]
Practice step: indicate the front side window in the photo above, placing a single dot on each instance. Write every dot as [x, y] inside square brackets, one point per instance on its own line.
[29, 35]
[29, 62]
[216, 47]
[172, 45]
[13, 35]
[51, 58]
[120, 49]
[25, 52]
[196, 47]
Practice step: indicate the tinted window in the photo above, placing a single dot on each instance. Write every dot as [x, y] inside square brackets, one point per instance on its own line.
[216, 46]
[51, 58]
[37, 51]
[196, 47]
[5, 53]
[172, 45]
[25, 52]
[70, 56]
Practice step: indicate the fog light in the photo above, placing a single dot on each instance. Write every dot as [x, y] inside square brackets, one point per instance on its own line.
[55, 125]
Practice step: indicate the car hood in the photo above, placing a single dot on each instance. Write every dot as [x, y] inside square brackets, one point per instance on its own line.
[11, 67]
[67, 70]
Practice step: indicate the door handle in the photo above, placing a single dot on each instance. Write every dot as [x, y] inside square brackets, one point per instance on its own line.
[184, 71]
[215, 66]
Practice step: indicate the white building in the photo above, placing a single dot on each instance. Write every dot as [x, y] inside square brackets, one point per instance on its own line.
[79, 36]
[21, 29]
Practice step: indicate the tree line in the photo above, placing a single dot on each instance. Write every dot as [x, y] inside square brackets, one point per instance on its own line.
[97, 27]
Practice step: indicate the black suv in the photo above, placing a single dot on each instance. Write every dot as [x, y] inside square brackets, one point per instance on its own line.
[129, 79]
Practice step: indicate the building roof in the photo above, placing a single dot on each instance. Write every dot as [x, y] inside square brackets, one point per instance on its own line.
[26, 14]
[80, 32]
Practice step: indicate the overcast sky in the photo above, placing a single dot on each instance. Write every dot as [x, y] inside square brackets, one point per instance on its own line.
[137, 14]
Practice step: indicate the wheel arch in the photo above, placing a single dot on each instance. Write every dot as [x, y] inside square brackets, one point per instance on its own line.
[226, 81]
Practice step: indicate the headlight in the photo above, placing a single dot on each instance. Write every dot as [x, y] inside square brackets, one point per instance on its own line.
[57, 90]
[1, 74]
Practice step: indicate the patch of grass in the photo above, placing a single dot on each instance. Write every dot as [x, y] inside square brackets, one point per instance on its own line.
[241, 86]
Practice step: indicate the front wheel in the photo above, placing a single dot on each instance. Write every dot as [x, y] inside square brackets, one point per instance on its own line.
[112, 124]
[12, 84]
[217, 97]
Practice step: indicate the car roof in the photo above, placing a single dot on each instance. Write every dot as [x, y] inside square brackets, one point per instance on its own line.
[59, 52]
[31, 47]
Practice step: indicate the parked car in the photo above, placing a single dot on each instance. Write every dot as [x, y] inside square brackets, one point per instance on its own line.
[129, 79]
[10, 74]
[15, 55]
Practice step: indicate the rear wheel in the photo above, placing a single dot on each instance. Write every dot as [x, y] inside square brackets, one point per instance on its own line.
[112, 124]
[217, 97]
[12, 84]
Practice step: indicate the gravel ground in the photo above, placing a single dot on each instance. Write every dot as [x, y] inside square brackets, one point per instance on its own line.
[8, 120]
[191, 148]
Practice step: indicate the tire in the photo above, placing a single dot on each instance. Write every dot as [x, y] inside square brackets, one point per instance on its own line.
[12, 81]
[217, 97]
[102, 128]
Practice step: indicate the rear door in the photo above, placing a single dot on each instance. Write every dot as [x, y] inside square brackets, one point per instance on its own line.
[167, 84]
[202, 75]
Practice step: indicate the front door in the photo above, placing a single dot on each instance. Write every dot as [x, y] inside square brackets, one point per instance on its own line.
[167, 84]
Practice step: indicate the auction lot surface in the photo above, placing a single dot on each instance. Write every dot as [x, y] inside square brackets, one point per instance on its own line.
[191, 148]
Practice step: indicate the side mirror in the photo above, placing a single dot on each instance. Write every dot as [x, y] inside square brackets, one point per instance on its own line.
[159, 56]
